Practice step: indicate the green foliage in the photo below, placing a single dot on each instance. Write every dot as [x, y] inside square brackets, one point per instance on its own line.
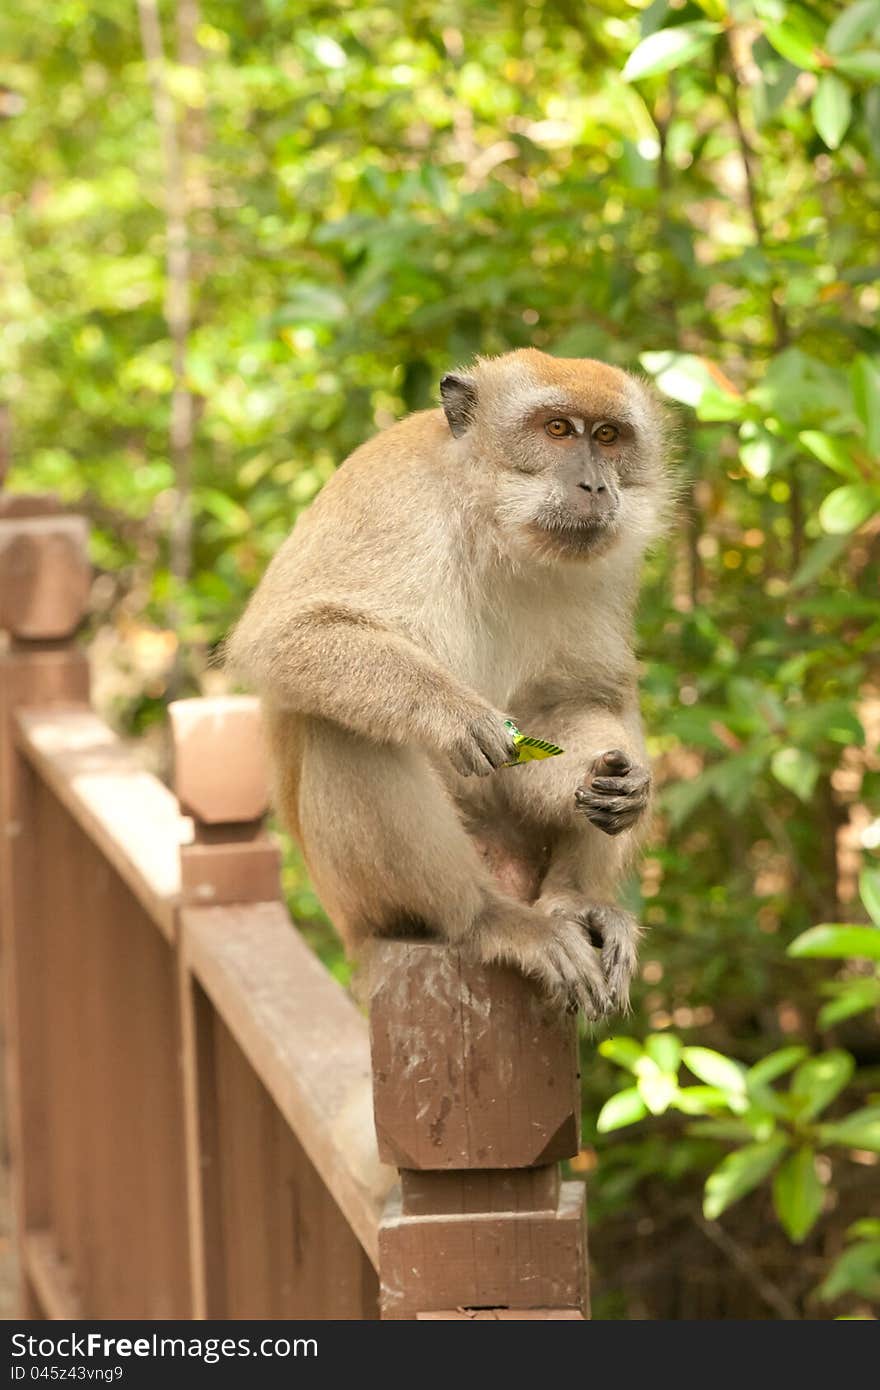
[377, 192]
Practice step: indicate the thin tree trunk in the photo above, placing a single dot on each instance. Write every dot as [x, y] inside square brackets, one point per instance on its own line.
[178, 311]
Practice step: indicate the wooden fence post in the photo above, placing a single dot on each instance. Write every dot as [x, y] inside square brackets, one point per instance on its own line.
[476, 1098]
[221, 780]
[44, 588]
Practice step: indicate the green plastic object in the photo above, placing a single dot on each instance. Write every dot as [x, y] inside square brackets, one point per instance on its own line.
[528, 749]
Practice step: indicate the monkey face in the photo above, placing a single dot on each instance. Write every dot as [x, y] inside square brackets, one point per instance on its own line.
[572, 449]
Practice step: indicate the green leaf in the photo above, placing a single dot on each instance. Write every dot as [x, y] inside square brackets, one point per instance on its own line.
[668, 49]
[716, 1070]
[830, 450]
[832, 109]
[699, 1100]
[796, 770]
[819, 1080]
[774, 1065]
[665, 1050]
[865, 378]
[860, 1130]
[817, 560]
[861, 66]
[657, 1090]
[626, 1052]
[798, 1195]
[837, 941]
[869, 889]
[739, 1173]
[798, 37]
[851, 997]
[854, 25]
[846, 508]
[623, 1109]
[856, 1271]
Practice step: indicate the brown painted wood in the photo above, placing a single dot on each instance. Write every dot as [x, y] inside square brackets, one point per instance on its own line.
[203, 1156]
[51, 1279]
[114, 1132]
[304, 1039]
[220, 766]
[288, 1251]
[45, 677]
[127, 813]
[456, 1193]
[22, 504]
[503, 1315]
[231, 872]
[45, 576]
[470, 1068]
[484, 1260]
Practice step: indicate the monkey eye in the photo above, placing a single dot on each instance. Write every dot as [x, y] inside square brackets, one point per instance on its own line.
[559, 429]
[606, 434]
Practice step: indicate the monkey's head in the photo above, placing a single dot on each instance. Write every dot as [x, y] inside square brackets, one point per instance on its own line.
[570, 451]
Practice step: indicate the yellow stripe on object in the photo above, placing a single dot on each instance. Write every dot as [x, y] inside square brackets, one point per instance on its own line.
[530, 749]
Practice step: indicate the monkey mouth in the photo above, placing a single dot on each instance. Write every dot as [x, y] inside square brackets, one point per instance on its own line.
[568, 533]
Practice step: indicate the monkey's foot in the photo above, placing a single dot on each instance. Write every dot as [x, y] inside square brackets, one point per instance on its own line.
[557, 951]
[616, 933]
[616, 792]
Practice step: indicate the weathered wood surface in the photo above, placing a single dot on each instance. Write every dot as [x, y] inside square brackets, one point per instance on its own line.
[305, 1040]
[132, 818]
[533, 1259]
[471, 1069]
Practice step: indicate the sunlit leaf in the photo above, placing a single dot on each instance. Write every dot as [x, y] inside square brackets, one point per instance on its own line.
[832, 109]
[798, 36]
[831, 451]
[861, 66]
[846, 508]
[626, 1052]
[838, 941]
[669, 48]
[716, 1069]
[665, 1050]
[623, 1109]
[797, 770]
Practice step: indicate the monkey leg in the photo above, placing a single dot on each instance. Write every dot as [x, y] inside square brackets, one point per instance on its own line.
[579, 883]
[387, 851]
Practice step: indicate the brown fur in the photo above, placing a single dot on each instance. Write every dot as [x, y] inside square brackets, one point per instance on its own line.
[440, 583]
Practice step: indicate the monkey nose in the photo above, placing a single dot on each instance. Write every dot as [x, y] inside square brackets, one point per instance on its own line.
[590, 487]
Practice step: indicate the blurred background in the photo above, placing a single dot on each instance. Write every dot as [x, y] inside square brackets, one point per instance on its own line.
[236, 240]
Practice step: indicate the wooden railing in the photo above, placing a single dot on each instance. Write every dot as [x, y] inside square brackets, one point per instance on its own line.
[190, 1093]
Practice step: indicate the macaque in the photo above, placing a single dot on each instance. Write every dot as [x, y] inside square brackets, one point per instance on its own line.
[469, 565]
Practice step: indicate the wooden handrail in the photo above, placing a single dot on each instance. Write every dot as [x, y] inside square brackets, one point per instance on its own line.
[130, 815]
[306, 1041]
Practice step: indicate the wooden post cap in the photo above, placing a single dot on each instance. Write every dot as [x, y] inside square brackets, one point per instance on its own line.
[220, 765]
[471, 1069]
[45, 576]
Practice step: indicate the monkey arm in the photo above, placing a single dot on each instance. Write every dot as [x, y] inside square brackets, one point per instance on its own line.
[330, 660]
[587, 783]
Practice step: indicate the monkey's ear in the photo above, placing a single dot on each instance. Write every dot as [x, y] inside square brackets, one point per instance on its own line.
[459, 396]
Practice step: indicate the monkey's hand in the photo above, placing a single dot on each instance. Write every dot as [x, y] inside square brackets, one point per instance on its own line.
[616, 792]
[481, 745]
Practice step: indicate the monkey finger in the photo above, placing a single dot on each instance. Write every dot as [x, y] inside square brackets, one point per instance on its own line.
[630, 785]
[613, 761]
